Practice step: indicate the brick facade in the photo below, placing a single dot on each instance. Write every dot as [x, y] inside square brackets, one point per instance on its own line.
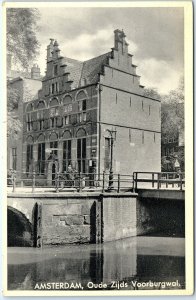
[78, 106]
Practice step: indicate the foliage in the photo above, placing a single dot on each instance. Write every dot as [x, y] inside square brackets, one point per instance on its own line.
[172, 121]
[13, 122]
[22, 42]
[152, 93]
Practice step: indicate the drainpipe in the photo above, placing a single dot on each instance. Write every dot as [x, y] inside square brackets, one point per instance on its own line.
[99, 120]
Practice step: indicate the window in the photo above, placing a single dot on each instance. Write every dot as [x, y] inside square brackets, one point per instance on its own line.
[52, 122]
[55, 70]
[29, 124]
[53, 88]
[142, 105]
[66, 154]
[116, 98]
[130, 102]
[56, 86]
[41, 158]
[154, 137]
[84, 105]
[29, 157]
[67, 119]
[149, 108]
[41, 122]
[14, 158]
[81, 155]
[53, 146]
[107, 153]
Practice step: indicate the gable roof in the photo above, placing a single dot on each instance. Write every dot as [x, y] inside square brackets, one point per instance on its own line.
[87, 71]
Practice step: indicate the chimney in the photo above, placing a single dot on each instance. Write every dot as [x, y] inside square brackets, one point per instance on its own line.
[35, 72]
[50, 48]
[119, 40]
[56, 50]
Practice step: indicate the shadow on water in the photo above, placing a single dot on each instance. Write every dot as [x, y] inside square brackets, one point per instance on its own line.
[135, 259]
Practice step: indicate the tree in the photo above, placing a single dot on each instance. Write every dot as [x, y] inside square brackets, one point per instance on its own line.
[23, 46]
[172, 122]
[13, 123]
[152, 93]
[22, 42]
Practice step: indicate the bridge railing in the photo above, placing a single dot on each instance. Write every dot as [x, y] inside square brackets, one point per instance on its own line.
[158, 180]
[32, 181]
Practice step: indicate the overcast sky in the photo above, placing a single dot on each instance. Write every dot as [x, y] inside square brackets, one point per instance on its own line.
[155, 37]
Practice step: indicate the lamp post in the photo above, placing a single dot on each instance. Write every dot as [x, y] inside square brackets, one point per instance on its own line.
[111, 175]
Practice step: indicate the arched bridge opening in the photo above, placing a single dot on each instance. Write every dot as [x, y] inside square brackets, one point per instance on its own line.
[19, 229]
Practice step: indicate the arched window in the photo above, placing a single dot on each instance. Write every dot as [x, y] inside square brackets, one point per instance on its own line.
[54, 102]
[81, 95]
[67, 99]
[41, 105]
[29, 107]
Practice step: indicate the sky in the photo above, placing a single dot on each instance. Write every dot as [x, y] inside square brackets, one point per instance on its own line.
[155, 37]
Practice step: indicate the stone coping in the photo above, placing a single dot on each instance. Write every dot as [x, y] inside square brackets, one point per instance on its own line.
[72, 195]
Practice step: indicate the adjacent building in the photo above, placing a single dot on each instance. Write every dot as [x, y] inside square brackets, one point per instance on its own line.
[25, 86]
[84, 107]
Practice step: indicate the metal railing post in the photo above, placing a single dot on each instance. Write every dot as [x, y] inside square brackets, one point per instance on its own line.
[158, 178]
[167, 175]
[153, 180]
[173, 176]
[180, 177]
[33, 182]
[14, 181]
[136, 181]
[57, 182]
[103, 186]
[118, 183]
[79, 188]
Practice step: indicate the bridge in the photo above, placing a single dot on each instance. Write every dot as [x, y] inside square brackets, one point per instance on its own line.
[94, 209]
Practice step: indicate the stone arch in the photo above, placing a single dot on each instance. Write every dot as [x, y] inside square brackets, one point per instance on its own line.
[66, 135]
[54, 102]
[29, 139]
[53, 136]
[29, 107]
[67, 99]
[81, 132]
[41, 137]
[41, 104]
[19, 229]
[81, 95]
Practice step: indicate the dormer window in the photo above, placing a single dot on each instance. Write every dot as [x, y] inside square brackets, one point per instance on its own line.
[55, 70]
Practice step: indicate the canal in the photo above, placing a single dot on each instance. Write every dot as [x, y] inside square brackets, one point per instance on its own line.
[133, 263]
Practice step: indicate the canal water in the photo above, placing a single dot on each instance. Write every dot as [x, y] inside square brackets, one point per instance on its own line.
[133, 263]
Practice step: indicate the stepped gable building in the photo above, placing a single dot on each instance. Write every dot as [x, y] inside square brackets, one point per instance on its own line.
[81, 106]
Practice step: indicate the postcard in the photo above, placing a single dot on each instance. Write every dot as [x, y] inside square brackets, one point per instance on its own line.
[98, 128]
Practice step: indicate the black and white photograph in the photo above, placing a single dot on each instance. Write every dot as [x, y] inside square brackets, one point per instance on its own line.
[99, 112]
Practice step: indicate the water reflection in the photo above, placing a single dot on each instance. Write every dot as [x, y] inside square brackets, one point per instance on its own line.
[124, 262]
